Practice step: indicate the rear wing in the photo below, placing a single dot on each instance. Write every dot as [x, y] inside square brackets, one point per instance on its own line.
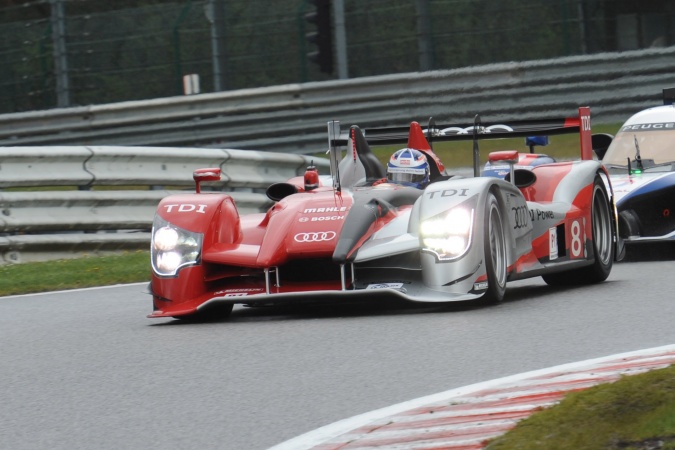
[477, 130]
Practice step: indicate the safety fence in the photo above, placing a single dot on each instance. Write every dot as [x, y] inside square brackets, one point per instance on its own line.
[59, 202]
[291, 118]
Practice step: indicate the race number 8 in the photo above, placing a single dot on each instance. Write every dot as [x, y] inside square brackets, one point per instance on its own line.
[577, 245]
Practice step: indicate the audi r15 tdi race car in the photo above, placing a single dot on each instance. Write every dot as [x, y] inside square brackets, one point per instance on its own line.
[410, 230]
[641, 164]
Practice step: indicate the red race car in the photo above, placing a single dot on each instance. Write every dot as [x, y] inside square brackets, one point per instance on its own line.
[409, 229]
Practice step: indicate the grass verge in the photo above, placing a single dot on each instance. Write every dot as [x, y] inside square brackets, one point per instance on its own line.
[636, 412]
[28, 278]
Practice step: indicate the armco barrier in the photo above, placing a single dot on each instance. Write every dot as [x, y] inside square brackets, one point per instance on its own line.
[44, 224]
[291, 118]
[85, 166]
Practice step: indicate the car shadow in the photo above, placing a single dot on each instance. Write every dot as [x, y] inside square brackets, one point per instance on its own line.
[378, 305]
[650, 251]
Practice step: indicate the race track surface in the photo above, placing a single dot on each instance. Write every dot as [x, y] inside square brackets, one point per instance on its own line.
[86, 369]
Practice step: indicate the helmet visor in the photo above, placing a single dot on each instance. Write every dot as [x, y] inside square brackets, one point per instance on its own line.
[400, 177]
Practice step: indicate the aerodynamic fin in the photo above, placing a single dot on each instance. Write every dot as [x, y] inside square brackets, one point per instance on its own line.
[418, 141]
[416, 138]
[360, 163]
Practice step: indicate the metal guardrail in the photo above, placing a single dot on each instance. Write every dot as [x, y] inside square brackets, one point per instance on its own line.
[288, 119]
[86, 166]
[291, 118]
[44, 224]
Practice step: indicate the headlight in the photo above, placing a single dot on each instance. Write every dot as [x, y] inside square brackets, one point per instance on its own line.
[448, 235]
[173, 247]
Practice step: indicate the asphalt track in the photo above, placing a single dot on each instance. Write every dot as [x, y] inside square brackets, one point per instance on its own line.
[86, 370]
[467, 418]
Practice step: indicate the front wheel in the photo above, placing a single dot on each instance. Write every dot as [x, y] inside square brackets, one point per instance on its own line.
[495, 252]
[603, 244]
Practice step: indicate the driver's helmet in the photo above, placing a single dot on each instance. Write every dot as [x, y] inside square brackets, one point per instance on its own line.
[408, 167]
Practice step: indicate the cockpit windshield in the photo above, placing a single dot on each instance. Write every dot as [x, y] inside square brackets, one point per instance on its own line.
[645, 146]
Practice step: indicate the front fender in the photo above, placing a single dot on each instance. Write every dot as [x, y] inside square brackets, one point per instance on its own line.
[214, 215]
[460, 274]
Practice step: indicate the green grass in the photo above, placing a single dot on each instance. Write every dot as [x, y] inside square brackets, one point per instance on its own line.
[627, 414]
[28, 278]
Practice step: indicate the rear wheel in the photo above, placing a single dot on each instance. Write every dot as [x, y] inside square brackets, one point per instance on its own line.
[603, 244]
[495, 252]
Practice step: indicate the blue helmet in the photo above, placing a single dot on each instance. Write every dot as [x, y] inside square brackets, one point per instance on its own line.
[408, 167]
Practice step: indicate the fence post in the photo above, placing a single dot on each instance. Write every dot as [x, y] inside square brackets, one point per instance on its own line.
[219, 49]
[58, 23]
[176, 46]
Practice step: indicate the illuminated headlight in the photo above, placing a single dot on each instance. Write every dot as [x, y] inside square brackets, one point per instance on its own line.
[448, 235]
[173, 247]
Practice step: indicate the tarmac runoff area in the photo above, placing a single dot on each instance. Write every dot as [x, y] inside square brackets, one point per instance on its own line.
[465, 418]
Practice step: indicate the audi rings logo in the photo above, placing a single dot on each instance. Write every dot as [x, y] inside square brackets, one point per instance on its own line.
[318, 236]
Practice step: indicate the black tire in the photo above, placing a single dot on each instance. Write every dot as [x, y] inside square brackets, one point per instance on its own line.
[494, 240]
[603, 244]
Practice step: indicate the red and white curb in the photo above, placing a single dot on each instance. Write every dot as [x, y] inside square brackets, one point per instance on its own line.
[467, 417]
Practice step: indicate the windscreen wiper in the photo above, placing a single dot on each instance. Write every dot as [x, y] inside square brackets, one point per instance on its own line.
[638, 159]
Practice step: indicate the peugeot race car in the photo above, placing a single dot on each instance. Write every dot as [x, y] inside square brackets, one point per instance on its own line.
[641, 164]
[351, 233]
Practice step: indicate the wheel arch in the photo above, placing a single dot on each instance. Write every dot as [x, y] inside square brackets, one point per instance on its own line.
[619, 242]
[501, 193]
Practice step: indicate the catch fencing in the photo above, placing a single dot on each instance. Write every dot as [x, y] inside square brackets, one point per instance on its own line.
[103, 199]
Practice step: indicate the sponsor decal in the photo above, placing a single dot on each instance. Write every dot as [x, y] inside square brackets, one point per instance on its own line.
[316, 236]
[448, 193]
[238, 291]
[520, 216]
[649, 127]
[185, 207]
[236, 294]
[324, 218]
[537, 214]
[585, 123]
[552, 243]
[385, 286]
[481, 129]
[320, 219]
[325, 210]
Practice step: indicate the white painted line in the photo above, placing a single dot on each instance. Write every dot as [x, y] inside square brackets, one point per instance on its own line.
[37, 294]
[321, 435]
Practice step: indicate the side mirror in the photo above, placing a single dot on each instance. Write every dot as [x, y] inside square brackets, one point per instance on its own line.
[531, 141]
[509, 157]
[201, 175]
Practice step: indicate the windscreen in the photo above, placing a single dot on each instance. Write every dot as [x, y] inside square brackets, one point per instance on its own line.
[654, 144]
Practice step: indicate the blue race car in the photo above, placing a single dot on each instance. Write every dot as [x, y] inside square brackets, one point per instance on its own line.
[641, 163]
